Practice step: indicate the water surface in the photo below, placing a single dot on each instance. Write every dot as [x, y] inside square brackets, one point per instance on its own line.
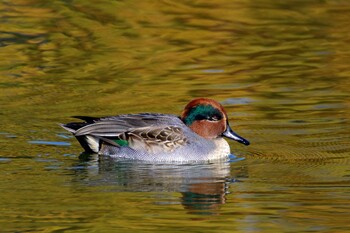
[280, 69]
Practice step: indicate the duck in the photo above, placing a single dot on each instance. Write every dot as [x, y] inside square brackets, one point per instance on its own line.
[196, 135]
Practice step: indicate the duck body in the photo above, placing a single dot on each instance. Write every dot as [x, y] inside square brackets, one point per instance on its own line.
[194, 136]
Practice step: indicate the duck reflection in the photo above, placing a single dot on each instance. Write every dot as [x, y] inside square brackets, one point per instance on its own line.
[204, 198]
[203, 186]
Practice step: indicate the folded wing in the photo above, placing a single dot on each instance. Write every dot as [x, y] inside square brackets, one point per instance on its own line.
[146, 132]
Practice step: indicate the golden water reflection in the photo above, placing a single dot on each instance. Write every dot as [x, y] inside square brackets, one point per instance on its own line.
[280, 69]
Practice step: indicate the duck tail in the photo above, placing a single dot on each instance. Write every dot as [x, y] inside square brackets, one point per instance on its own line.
[90, 143]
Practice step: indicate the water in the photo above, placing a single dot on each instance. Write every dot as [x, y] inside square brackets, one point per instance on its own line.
[280, 69]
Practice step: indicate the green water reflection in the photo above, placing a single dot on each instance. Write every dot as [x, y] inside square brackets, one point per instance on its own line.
[281, 69]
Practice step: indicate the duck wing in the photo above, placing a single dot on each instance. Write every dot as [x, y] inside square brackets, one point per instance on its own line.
[149, 132]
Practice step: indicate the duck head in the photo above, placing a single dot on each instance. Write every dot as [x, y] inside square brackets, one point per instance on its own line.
[207, 118]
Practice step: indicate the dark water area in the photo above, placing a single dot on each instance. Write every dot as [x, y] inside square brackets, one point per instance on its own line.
[280, 68]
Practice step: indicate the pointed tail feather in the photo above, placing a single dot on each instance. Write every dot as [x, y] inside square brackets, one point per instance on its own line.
[74, 126]
[90, 144]
[66, 127]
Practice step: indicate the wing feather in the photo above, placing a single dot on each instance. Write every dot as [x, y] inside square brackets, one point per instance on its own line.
[165, 138]
[150, 132]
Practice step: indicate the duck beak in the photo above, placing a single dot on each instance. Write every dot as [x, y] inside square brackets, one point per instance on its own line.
[232, 135]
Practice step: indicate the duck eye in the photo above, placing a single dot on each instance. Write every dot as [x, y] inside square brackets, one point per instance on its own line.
[213, 118]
